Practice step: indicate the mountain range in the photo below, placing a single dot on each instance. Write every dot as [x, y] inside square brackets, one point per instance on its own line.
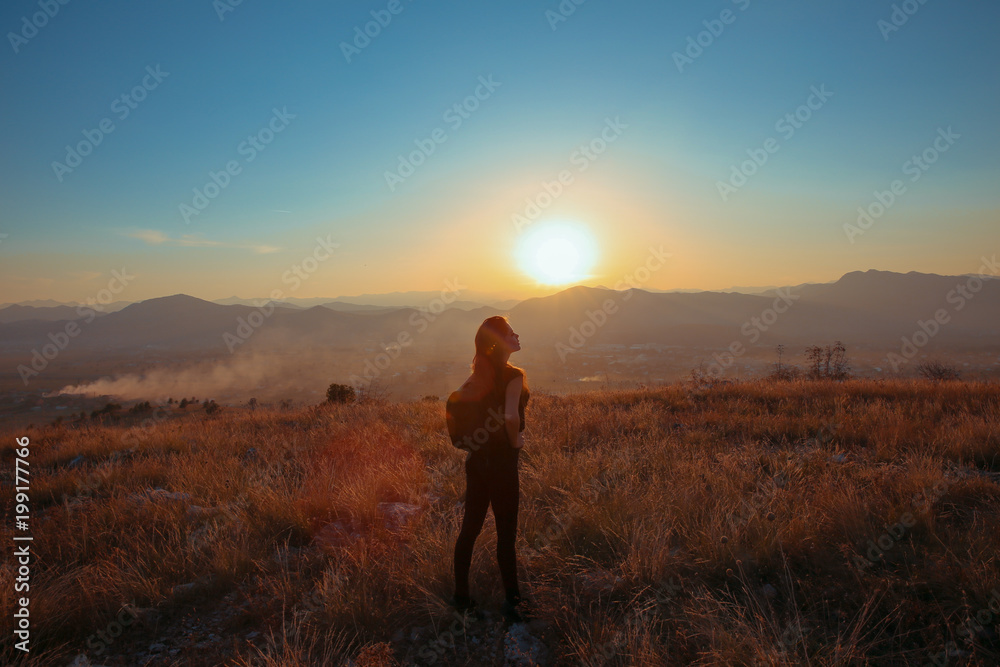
[871, 308]
[579, 333]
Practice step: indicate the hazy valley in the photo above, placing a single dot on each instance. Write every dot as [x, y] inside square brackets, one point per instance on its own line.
[180, 346]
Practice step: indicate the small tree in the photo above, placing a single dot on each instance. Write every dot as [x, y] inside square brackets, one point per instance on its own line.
[840, 368]
[828, 362]
[211, 407]
[783, 371]
[340, 393]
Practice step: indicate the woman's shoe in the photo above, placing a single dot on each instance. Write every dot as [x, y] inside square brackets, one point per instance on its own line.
[462, 602]
[513, 611]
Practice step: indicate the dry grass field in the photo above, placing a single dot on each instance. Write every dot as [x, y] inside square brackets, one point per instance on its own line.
[771, 523]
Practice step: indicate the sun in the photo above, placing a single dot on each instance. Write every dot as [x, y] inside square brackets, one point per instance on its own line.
[557, 253]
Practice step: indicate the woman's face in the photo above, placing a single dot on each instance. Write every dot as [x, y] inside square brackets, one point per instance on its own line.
[512, 341]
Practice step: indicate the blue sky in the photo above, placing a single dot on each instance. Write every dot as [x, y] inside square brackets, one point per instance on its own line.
[559, 82]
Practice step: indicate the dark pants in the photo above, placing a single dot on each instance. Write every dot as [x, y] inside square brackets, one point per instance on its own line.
[494, 483]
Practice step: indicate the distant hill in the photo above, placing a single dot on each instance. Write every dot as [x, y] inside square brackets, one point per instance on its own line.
[237, 301]
[17, 313]
[874, 308]
[465, 299]
[50, 313]
[36, 303]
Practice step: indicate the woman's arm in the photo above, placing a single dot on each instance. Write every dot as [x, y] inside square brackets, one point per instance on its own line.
[512, 417]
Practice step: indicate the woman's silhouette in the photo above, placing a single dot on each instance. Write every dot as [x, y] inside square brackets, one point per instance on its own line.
[491, 470]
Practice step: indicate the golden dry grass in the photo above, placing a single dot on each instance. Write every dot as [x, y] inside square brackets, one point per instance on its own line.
[667, 525]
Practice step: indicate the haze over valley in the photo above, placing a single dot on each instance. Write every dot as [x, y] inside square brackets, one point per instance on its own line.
[574, 339]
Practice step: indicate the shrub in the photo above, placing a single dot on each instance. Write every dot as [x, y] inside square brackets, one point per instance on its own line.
[783, 372]
[938, 370]
[828, 362]
[340, 393]
[108, 409]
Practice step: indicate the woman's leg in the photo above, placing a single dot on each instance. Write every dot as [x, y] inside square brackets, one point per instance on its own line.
[477, 502]
[506, 498]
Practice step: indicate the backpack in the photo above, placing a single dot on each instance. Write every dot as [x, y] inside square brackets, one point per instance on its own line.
[475, 416]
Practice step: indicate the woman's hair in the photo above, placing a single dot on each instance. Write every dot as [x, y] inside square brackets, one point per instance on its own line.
[488, 364]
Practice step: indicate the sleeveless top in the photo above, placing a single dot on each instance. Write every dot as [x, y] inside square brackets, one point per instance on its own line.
[509, 373]
[498, 448]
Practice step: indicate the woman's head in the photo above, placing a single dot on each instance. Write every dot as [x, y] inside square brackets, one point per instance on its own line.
[495, 341]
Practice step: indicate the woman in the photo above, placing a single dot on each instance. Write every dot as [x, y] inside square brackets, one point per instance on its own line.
[491, 470]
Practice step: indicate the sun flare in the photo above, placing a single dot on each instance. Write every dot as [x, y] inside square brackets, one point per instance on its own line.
[557, 253]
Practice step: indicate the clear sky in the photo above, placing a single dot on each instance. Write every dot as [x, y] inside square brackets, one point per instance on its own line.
[311, 117]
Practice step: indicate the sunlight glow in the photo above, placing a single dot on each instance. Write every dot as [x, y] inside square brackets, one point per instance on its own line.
[557, 253]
